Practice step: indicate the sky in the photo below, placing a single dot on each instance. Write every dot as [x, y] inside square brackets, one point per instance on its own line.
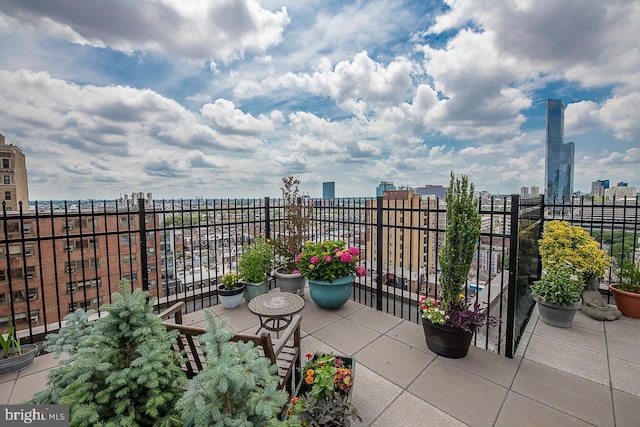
[223, 98]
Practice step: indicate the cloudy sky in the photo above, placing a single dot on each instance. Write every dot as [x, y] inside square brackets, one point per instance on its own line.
[222, 98]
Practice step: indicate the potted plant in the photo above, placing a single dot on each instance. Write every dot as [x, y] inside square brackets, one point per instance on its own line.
[122, 368]
[230, 291]
[235, 384]
[254, 265]
[558, 296]
[572, 247]
[449, 323]
[323, 397]
[287, 247]
[14, 356]
[330, 267]
[627, 292]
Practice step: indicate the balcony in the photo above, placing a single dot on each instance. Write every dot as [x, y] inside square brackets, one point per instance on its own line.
[586, 375]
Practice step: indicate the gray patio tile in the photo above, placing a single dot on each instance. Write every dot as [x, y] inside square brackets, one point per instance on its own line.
[579, 397]
[371, 318]
[569, 358]
[242, 321]
[461, 394]
[625, 376]
[521, 411]
[26, 386]
[583, 321]
[346, 336]
[580, 337]
[43, 363]
[491, 366]
[347, 309]
[410, 411]
[394, 360]
[310, 345]
[11, 376]
[196, 317]
[626, 407]
[623, 339]
[372, 394]
[411, 334]
[315, 318]
[6, 390]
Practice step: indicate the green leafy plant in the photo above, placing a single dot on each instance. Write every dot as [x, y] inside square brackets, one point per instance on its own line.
[569, 246]
[296, 226]
[629, 277]
[329, 260]
[237, 387]
[332, 410]
[122, 369]
[229, 280]
[10, 341]
[254, 264]
[559, 285]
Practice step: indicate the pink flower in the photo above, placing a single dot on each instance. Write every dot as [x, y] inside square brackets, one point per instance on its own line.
[360, 271]
[298, 257]
[336, 250]
[327, 258]
[353, 250]
[296, 271]
[346, 257]
[314, 259]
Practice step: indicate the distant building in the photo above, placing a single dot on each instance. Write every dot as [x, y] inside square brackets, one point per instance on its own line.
[559, 158]
[14, 187]
[524, 192]
[329, 190]
[620, 192]
[622, 184]
[384, 186]
[432, 190]
[599, 187]
[535, 191]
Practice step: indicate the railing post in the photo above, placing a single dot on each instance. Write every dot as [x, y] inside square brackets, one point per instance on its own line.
[267, 219]
[143, 245]
[513, 266]
[379, 242]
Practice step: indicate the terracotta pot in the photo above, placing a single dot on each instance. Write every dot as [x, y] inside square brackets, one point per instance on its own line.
[627, 302]
[446, 341]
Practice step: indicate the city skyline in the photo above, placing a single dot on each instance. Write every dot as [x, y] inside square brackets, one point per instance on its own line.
[223, 99]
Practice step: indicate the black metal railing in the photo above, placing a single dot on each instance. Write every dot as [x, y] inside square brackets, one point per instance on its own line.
[59, 256]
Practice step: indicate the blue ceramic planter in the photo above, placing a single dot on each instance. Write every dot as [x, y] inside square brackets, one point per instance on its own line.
[331, 294]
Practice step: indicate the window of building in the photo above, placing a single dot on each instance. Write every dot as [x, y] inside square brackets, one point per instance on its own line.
[5, 163]
[4, 299]
[127, 239]
[128, 258]
[132, 277]
[7, 195]
[7, 179]
[79, 285]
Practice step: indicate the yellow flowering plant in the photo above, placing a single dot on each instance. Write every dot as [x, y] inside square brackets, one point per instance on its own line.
[569, 246]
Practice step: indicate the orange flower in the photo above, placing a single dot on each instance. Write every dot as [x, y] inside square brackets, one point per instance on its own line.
[309, 380]
[309, 372]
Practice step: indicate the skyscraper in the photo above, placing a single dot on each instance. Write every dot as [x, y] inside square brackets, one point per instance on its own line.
[559, 156]
[329, 190]
[384, 186]
[14, 188]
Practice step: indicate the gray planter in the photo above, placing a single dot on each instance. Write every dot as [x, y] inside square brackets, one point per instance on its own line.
[16, 363]
[252, 290]
[293, 283]
[560, 316]
[232, 298]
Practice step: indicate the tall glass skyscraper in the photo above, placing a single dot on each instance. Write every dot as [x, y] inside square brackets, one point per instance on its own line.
[329, 190]
[559, 156]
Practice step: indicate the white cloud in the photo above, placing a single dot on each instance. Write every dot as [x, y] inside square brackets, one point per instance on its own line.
[229, 119]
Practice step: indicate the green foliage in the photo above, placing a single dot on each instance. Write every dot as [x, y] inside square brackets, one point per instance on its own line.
[230, 280]
[181, 220]
[559, 286]
[621, 243]
[329, 260]
[461, 237]
[332, 409]
[121, 370]
[296, 225]
[254, 264]
[237, 387]
[570, 246]
[629, 277]
[10, 341]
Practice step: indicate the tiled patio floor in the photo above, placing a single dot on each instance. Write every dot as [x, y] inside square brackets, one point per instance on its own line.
[588, 375]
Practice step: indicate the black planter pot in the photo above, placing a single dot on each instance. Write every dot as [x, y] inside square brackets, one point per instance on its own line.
[447, 341]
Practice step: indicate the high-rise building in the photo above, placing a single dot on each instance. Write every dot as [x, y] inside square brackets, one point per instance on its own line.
[599, 187]
[329, 190]
[14, 187]
[535, 190]
[432, 190]
[524, 192]
[384, 186]
[559, 156]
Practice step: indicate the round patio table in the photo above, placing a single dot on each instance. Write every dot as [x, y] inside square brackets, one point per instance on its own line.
[275, 310]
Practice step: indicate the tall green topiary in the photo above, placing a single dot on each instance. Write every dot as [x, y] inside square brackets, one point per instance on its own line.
[237, 387]
[461, 238]
[122, 369]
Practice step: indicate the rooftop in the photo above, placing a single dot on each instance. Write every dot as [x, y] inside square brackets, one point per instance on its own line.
[583, 376]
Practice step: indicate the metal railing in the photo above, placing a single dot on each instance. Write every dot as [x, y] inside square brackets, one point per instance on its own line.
[59, 256]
